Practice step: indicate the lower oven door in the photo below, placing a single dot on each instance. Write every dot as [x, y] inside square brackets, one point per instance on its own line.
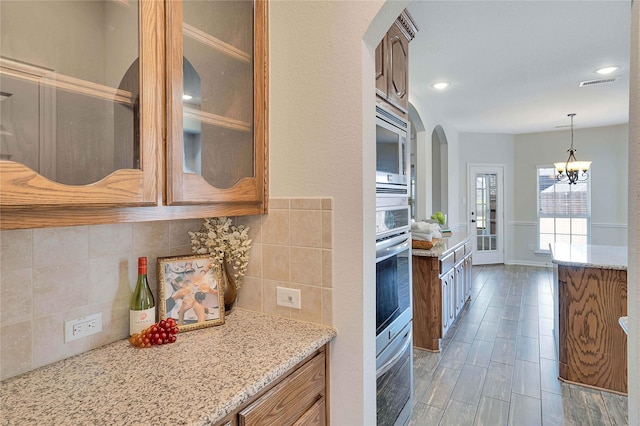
[393, 288]
[394, 381]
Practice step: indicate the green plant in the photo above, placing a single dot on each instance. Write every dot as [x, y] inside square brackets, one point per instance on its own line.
[439, 216]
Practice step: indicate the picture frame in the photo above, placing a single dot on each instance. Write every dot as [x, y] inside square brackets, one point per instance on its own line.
[190, 290]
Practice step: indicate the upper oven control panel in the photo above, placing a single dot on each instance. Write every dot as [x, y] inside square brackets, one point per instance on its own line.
[392, 220]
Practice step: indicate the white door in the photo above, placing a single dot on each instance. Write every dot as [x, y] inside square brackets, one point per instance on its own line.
[486, 206]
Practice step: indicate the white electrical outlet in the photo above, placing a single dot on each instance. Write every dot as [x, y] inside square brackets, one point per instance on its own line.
[289, 297]
[81, 327]
[530, 247]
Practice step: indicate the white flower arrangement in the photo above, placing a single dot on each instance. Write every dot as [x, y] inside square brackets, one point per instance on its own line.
[225, 243]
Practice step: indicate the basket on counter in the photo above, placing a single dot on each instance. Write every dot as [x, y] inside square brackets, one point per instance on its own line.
[424, 245]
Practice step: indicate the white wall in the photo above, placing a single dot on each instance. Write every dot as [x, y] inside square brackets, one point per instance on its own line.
[322, 118]
[607, 147]
[430, 120]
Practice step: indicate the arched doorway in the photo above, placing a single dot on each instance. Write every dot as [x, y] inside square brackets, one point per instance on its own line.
[439, 170]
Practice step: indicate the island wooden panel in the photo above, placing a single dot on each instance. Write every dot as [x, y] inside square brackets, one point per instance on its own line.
[427, 303]
[592, 346]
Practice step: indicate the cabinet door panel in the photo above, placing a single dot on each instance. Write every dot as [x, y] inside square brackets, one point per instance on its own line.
[382, 75]
[217, 109]
[445, 305]
[315, 416]
[72, 133]
[398, 68]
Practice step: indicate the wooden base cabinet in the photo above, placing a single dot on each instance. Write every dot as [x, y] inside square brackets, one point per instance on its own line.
[298, 399]
[592, 347]
[441, 288]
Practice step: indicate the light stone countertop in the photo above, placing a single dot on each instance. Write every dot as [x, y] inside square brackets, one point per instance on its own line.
[588, 255]
[197, 380]
[445, 246]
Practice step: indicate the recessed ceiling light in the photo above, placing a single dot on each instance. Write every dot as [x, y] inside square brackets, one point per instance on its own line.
[187, 97]
[607, 70]
[441, 85]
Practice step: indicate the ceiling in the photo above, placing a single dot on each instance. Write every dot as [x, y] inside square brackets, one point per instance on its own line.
[515, 66]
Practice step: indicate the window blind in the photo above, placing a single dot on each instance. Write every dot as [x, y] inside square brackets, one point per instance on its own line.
[559, 199]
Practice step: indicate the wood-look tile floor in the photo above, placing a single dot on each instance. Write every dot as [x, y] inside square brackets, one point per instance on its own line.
[498, 365]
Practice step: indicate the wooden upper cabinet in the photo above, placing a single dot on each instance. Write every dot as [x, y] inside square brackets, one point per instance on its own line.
[132, 110]
[216, 104]
[398, 68]
[392, 63]
[382, 75]
[81, 103]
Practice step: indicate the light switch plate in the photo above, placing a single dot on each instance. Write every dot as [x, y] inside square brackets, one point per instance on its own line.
[289, 297]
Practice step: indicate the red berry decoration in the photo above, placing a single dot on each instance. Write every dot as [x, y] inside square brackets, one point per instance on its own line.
[157, 334]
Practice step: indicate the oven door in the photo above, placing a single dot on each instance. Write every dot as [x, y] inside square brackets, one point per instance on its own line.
[393, 288]
[394, 381]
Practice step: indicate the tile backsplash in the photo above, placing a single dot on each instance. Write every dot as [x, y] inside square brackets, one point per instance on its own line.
[51, 275]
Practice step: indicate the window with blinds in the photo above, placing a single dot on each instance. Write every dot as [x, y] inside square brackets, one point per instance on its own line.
[564, 211]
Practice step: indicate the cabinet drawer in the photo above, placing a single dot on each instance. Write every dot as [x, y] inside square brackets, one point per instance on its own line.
[446, 263]
[459, 254]
[468, 247]
[291, 399]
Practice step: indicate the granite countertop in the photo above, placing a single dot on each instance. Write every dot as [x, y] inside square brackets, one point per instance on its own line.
[593, 256]
[197, 380]
[445, 246]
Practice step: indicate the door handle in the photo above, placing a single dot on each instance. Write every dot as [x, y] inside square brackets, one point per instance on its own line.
[473, 221]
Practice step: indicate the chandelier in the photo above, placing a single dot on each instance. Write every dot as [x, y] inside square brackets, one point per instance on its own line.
[572, 170]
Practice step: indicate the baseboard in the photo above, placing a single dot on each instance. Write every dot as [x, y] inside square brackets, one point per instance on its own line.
[529, 263]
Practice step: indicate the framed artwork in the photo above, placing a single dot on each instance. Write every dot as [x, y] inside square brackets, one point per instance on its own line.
[190, 291]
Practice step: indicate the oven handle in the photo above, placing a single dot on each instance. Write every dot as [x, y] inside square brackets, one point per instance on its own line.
[387, 248]
[394, 359]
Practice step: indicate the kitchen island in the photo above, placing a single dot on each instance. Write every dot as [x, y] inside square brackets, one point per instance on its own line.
[198, 380]
[590, 295]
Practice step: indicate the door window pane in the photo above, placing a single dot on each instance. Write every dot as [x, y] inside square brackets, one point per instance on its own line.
[486, 209]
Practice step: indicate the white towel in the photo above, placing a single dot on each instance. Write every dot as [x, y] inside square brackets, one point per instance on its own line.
[425, 227]
[420, 236]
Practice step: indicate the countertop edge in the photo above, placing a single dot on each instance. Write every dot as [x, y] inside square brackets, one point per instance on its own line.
[256, 388]
[598, 263]
[439, 250]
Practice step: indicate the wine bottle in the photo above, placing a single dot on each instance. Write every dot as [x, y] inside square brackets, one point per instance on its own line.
[142, 308]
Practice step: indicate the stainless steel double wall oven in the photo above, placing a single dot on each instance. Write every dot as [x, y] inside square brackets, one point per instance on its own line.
[394, 356]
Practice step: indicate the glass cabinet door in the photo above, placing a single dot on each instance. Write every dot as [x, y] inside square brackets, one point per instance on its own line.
[217, 110]
[79, 106]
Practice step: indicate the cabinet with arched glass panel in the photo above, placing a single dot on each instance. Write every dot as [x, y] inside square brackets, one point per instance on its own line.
[217, 97]
[90, 89]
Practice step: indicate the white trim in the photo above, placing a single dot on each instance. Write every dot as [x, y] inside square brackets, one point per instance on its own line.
[522, 223]
[610, 225]
[529, 263]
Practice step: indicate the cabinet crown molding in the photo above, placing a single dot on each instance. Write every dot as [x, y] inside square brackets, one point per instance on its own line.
[407, 25]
